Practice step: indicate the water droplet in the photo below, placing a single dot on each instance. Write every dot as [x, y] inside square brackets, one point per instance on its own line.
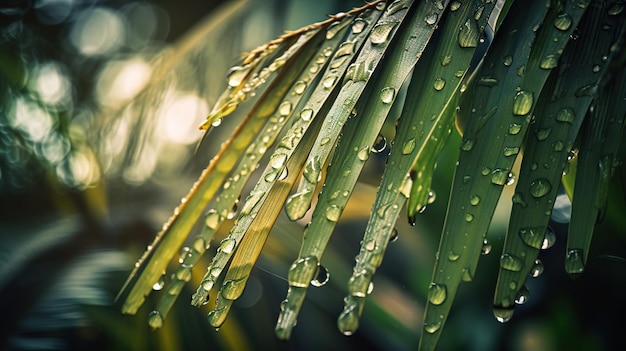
[370, 245]
[515, 128]
[500, 176]
[466, 275]
[454, 5]
[381, 6]
[503, 314]
[486, 249]
[522, 103]
[574, 261]
[394, 235]
[184, 252]
[469, 35]
[285, 108]
[236, 75]
[212, 219]
[333, 29]
[596, 68]
[155, 320]
[299, 87]
[439, 84]
[431, 18]
[306, 114]
[227, 245]
[537, 269]
[363, 154]
[321, 278]
[328, 82]
[358, 25]
[532, 237]
[437, 293]
[301, 271]
[587, 90]
[540, 187]
[563, 21]
[332, 213]
[387, 95]
[549, 62]
[522, 295]
[543, 134]
[313, 170]
[453, 256]
[408, 146]
[298, 204]
[469, 217]
[446, 60]
[467, 144]
[510, 151]
[278, 160]
[549, 239]
[508, 60]
[510, 263]
[380, 33]
[432, 328]
[521, 70]
[566, 115]
[616, 9]
[159, 284]
[380, 144]
[474, 200]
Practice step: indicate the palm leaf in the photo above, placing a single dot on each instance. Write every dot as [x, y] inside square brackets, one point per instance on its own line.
[320, 98]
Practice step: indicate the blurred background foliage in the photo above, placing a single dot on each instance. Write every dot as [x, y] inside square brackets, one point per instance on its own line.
[99, 107]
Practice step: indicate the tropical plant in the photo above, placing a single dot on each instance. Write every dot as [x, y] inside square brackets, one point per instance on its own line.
[549, 92]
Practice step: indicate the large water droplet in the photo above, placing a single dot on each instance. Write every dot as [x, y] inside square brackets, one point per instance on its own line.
[566, 115]
[549, 239]
[313, 170]
[358, 25]
[474, 200]
[486, 248]
[549, 62]
[537, 269]
[306, 114]
[212, 219]
[380, 33]
[510, 151]
[299, 87]
[321, 278]
[437, 293]
[532, 237]
[155, 319]
[387, 95]
[285, 108]
[236, 75]
[298, 204]
[328, 82]
[439, 84]
[574, 261]
[522, 103]
[515, 128]
[563, 21]
[227, 245]
[301, 271]
[467, 144]
[503, 314]
[500, 176]
[508, 60]
[379, 144]
[469, 34]
[278, 160]
[522, 295]
[432, 328]
[455, 5]
[431, 18]
[408, 146]
[159, 284]
[540, 187]
[510, 263]
[333, 213]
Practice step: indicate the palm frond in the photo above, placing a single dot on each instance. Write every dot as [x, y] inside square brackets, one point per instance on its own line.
[320, 97]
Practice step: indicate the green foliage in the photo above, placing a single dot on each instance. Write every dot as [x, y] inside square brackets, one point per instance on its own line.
[320, 97]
